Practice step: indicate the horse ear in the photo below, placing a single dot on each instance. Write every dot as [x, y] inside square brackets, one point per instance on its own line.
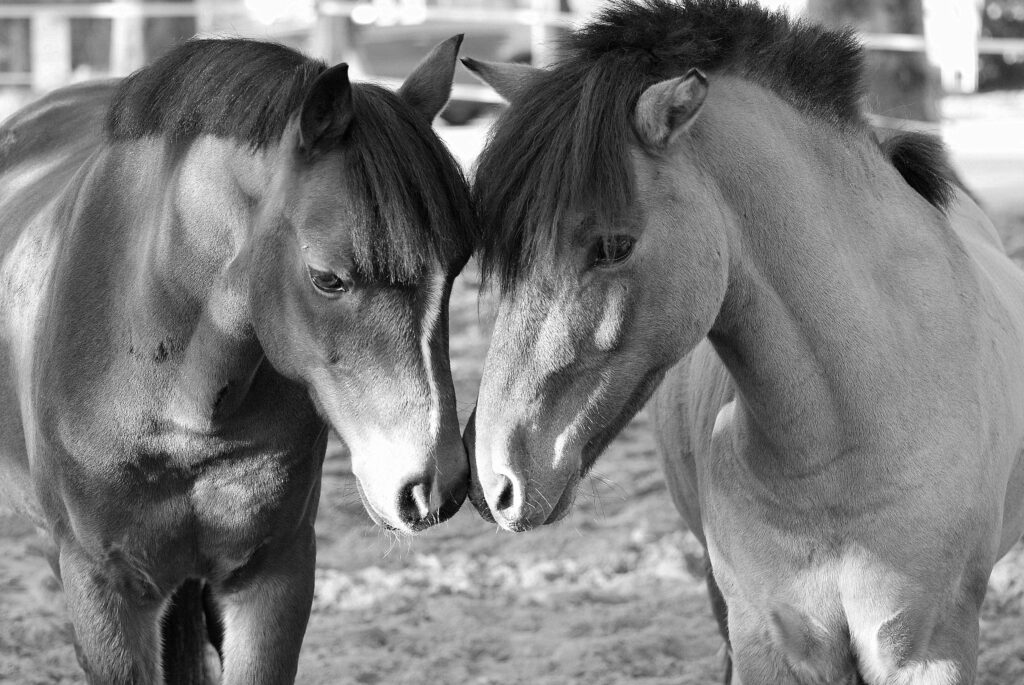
[668, 108]
[430, 84]
[508, 79]
[327, 110]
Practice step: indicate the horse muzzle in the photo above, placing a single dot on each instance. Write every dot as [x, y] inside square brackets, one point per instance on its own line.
[515, 498]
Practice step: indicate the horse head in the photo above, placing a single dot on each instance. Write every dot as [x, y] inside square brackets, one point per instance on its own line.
[610, 269]
[358, 243]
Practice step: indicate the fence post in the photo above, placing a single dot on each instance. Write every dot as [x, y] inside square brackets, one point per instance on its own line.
[50, 38]
[951, 31]
[542, 34]
[330, 39]
[127, 41]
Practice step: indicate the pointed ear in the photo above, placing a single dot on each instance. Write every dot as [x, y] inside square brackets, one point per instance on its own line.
[327, 110]
[430, 84]
[668, 108]
[508, 79]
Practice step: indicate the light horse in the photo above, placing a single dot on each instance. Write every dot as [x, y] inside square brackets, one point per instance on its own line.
[691, 197]
[205, 266]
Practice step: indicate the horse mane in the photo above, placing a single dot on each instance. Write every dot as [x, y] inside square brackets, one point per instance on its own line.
[412, 191]
[565, 141]
[922, 161]
[234, 88]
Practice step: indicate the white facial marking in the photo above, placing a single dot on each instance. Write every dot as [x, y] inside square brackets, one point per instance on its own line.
[567, 444]
[608, 332]
[431, 320]
[554, 346]
[723, 420]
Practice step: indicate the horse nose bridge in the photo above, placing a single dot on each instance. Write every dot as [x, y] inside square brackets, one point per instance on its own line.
[519, 466]
[433, 328]
[513, 459]
[439, 390]
[418, 452]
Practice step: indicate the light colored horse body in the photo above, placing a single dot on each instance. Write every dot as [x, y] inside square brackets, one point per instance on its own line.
[841, 412]
[859, 478]
[183, 315]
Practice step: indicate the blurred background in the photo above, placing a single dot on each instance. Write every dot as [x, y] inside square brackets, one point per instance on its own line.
[615, 593]
[919, 49]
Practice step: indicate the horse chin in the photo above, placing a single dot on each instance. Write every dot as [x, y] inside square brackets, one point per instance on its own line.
[476, 496]
[564, 504]
[376, 516]
[476, 490]
[597, 444]
[451, 505]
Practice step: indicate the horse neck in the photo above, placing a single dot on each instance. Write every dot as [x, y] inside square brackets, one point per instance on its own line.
[192, 299]
[845, 288]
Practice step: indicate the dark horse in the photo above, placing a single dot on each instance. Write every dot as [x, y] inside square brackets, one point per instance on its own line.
[206, 265]
[691, 202]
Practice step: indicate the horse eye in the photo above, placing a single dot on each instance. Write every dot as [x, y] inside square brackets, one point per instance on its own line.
[327, 281]
[612, 249]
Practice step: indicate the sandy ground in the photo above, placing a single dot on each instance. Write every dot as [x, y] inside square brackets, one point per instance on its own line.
[612, 595]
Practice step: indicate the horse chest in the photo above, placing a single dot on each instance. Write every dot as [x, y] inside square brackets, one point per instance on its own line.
[846, 618]
[169, 504]
[238, 506]
[829, 586]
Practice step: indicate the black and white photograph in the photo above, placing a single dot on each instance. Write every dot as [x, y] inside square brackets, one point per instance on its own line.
[512, 342]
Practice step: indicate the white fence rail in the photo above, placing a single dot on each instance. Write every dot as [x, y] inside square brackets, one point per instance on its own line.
[50, 33]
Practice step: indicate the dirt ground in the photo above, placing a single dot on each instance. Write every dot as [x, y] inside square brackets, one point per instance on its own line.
[614, 594]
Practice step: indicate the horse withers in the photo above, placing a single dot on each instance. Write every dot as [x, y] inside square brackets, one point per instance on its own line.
[205, 266]
[690, 204]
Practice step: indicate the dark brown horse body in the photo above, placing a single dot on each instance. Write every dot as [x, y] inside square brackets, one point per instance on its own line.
[200, 274]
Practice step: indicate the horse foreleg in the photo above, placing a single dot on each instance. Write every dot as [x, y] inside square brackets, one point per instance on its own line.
[947, 655]
[721, 612]
[188, 655]
[265, 611]
[116, 625]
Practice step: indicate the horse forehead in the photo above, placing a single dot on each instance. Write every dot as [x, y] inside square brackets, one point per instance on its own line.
[323, 197]
[662, 174]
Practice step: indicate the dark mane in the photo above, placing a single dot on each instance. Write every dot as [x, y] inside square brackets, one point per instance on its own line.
[415, 201]
[414, 194]
[922, 162]
[565, 141]
[240, 89]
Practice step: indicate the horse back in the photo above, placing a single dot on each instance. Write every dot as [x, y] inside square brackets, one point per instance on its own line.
[42, 149]
[66, 123]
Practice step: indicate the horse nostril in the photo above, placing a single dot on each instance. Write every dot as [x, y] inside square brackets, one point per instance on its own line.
[414, 502]
[507, 494]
